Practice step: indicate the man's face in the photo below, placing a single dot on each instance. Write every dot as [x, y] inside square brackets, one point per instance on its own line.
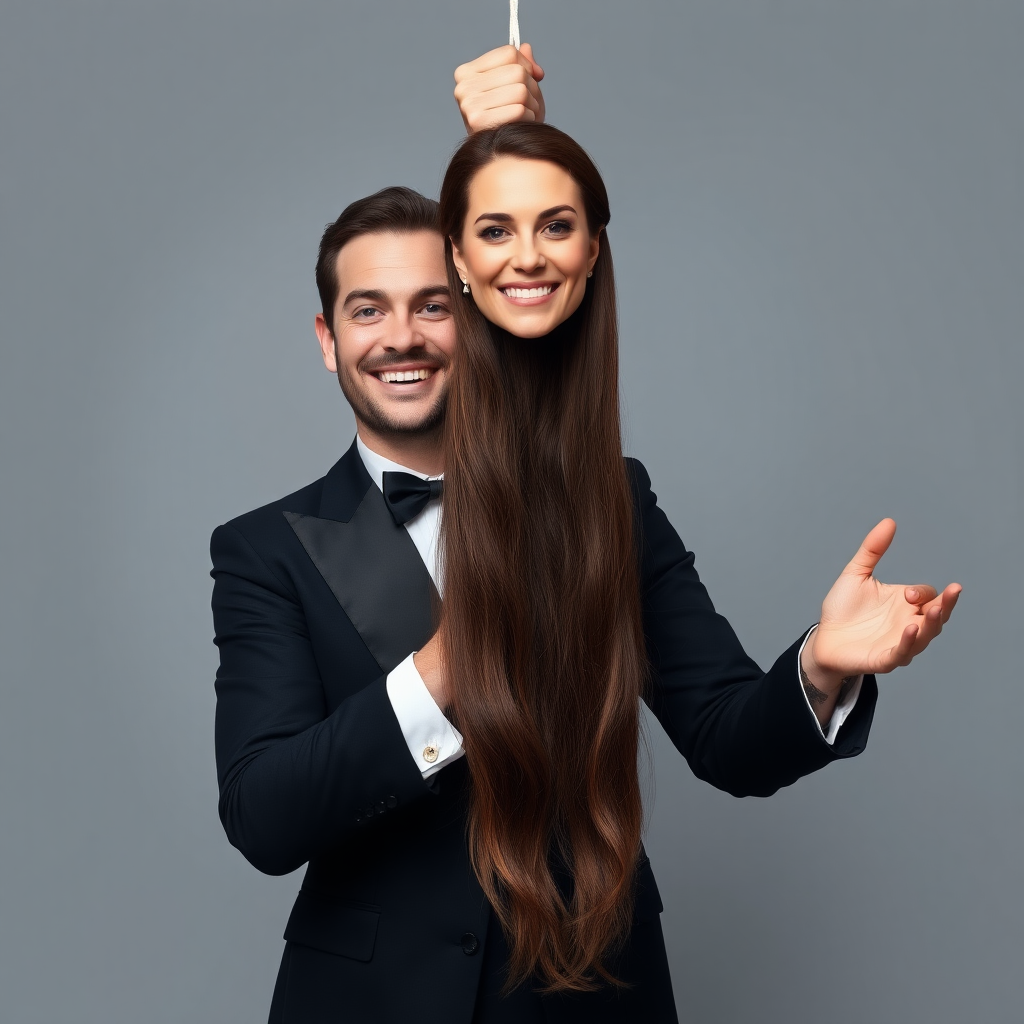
[393, 332]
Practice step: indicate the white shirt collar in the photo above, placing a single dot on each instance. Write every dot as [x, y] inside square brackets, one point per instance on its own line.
[376, 465]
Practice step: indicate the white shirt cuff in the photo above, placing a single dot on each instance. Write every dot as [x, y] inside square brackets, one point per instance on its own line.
[846, 703]
[433, 741]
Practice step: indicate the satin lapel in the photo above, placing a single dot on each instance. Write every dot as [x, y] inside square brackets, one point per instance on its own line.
[377, 575]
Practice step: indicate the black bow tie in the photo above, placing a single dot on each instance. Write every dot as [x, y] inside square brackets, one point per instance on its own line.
[406, 495]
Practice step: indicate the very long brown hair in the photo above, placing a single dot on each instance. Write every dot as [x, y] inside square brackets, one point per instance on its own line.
[541, 633]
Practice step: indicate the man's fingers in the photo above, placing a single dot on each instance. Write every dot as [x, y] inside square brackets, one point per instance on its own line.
[874, 545]
[499, 88]
[492, 117]
[902, 653]
[506, 94]
[526, 50]
[950, 596]
[920, 593]
[926, 597]
[485, 104]
[487, 109]
[930, 628]
[918, 635]
[506, 54]
[496, 78]
[948, 599]
[496, 58]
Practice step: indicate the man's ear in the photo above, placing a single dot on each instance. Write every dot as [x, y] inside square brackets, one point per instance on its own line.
[326, 338]
[595, 250]
[460, 263]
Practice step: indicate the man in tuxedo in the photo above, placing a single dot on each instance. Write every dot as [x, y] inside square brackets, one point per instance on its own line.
[331, 747]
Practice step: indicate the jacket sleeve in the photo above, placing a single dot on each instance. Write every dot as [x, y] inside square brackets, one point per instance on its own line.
[294, 780]
[745, 731]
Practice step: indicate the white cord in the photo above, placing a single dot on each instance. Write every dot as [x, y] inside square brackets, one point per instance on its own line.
[513, 23]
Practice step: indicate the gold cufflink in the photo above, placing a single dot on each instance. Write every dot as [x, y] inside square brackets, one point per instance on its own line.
[430, 754]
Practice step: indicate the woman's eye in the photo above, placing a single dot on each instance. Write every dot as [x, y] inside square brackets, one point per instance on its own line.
[559, 227]
[493, 233]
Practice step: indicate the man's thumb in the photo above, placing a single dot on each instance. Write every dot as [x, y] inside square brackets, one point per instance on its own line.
[527, 51]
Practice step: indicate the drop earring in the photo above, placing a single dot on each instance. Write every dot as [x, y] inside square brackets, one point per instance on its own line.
[465, 287]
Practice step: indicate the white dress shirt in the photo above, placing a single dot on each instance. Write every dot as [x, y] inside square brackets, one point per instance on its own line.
[433, 741]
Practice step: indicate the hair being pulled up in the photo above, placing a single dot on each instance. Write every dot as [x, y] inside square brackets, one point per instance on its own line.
[541, 633]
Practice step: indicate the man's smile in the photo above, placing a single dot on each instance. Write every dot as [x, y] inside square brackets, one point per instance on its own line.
[407, 378]
[404, 376]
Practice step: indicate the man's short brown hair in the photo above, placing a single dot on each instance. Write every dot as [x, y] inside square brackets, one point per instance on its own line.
[390, 211]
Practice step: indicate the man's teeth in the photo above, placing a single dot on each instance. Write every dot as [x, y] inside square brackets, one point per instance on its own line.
[527, 293]
[398, 376]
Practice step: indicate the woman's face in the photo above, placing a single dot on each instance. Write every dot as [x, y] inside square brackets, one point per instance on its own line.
[526, 248]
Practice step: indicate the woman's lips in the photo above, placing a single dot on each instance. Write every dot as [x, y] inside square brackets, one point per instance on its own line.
[535, 295]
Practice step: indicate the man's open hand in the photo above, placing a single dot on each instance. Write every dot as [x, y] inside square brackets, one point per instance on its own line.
[500, 87]
[870, 626]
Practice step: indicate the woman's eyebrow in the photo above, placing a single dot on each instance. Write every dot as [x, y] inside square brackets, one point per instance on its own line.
[555, 209]
[504, 218]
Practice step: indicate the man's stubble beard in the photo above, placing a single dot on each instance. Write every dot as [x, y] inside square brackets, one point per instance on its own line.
[377, 419]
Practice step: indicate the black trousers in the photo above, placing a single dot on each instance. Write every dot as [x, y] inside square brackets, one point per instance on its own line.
[648, 1001]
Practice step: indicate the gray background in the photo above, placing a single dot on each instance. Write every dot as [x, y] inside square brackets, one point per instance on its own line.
[818, 231]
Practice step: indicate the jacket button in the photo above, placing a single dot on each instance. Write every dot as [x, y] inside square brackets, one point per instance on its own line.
[392, 802]
[469, 944]
[381, 807]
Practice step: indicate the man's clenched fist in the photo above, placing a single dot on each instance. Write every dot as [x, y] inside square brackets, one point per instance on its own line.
[500, 87]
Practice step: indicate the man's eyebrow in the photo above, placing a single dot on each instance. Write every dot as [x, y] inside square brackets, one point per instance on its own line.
[372, 294]
[504, 218]
[431, 289]
[377, 295]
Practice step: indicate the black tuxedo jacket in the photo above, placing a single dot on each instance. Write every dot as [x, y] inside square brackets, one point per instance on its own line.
[316, 598]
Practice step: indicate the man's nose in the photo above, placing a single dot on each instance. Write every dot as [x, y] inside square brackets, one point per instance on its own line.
[405, 333]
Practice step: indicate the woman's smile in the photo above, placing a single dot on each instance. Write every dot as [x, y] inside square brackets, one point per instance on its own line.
[532, 294]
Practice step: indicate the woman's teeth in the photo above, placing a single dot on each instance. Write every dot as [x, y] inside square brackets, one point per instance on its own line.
[400, 376]
[527, 293]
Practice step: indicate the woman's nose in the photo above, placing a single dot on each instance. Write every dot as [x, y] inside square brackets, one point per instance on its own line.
[527, 256]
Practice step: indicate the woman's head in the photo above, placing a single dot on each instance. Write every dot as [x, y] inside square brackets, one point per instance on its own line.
[523, 208]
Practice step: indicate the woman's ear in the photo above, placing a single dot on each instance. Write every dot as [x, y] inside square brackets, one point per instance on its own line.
[460, 263]
[595, 250]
